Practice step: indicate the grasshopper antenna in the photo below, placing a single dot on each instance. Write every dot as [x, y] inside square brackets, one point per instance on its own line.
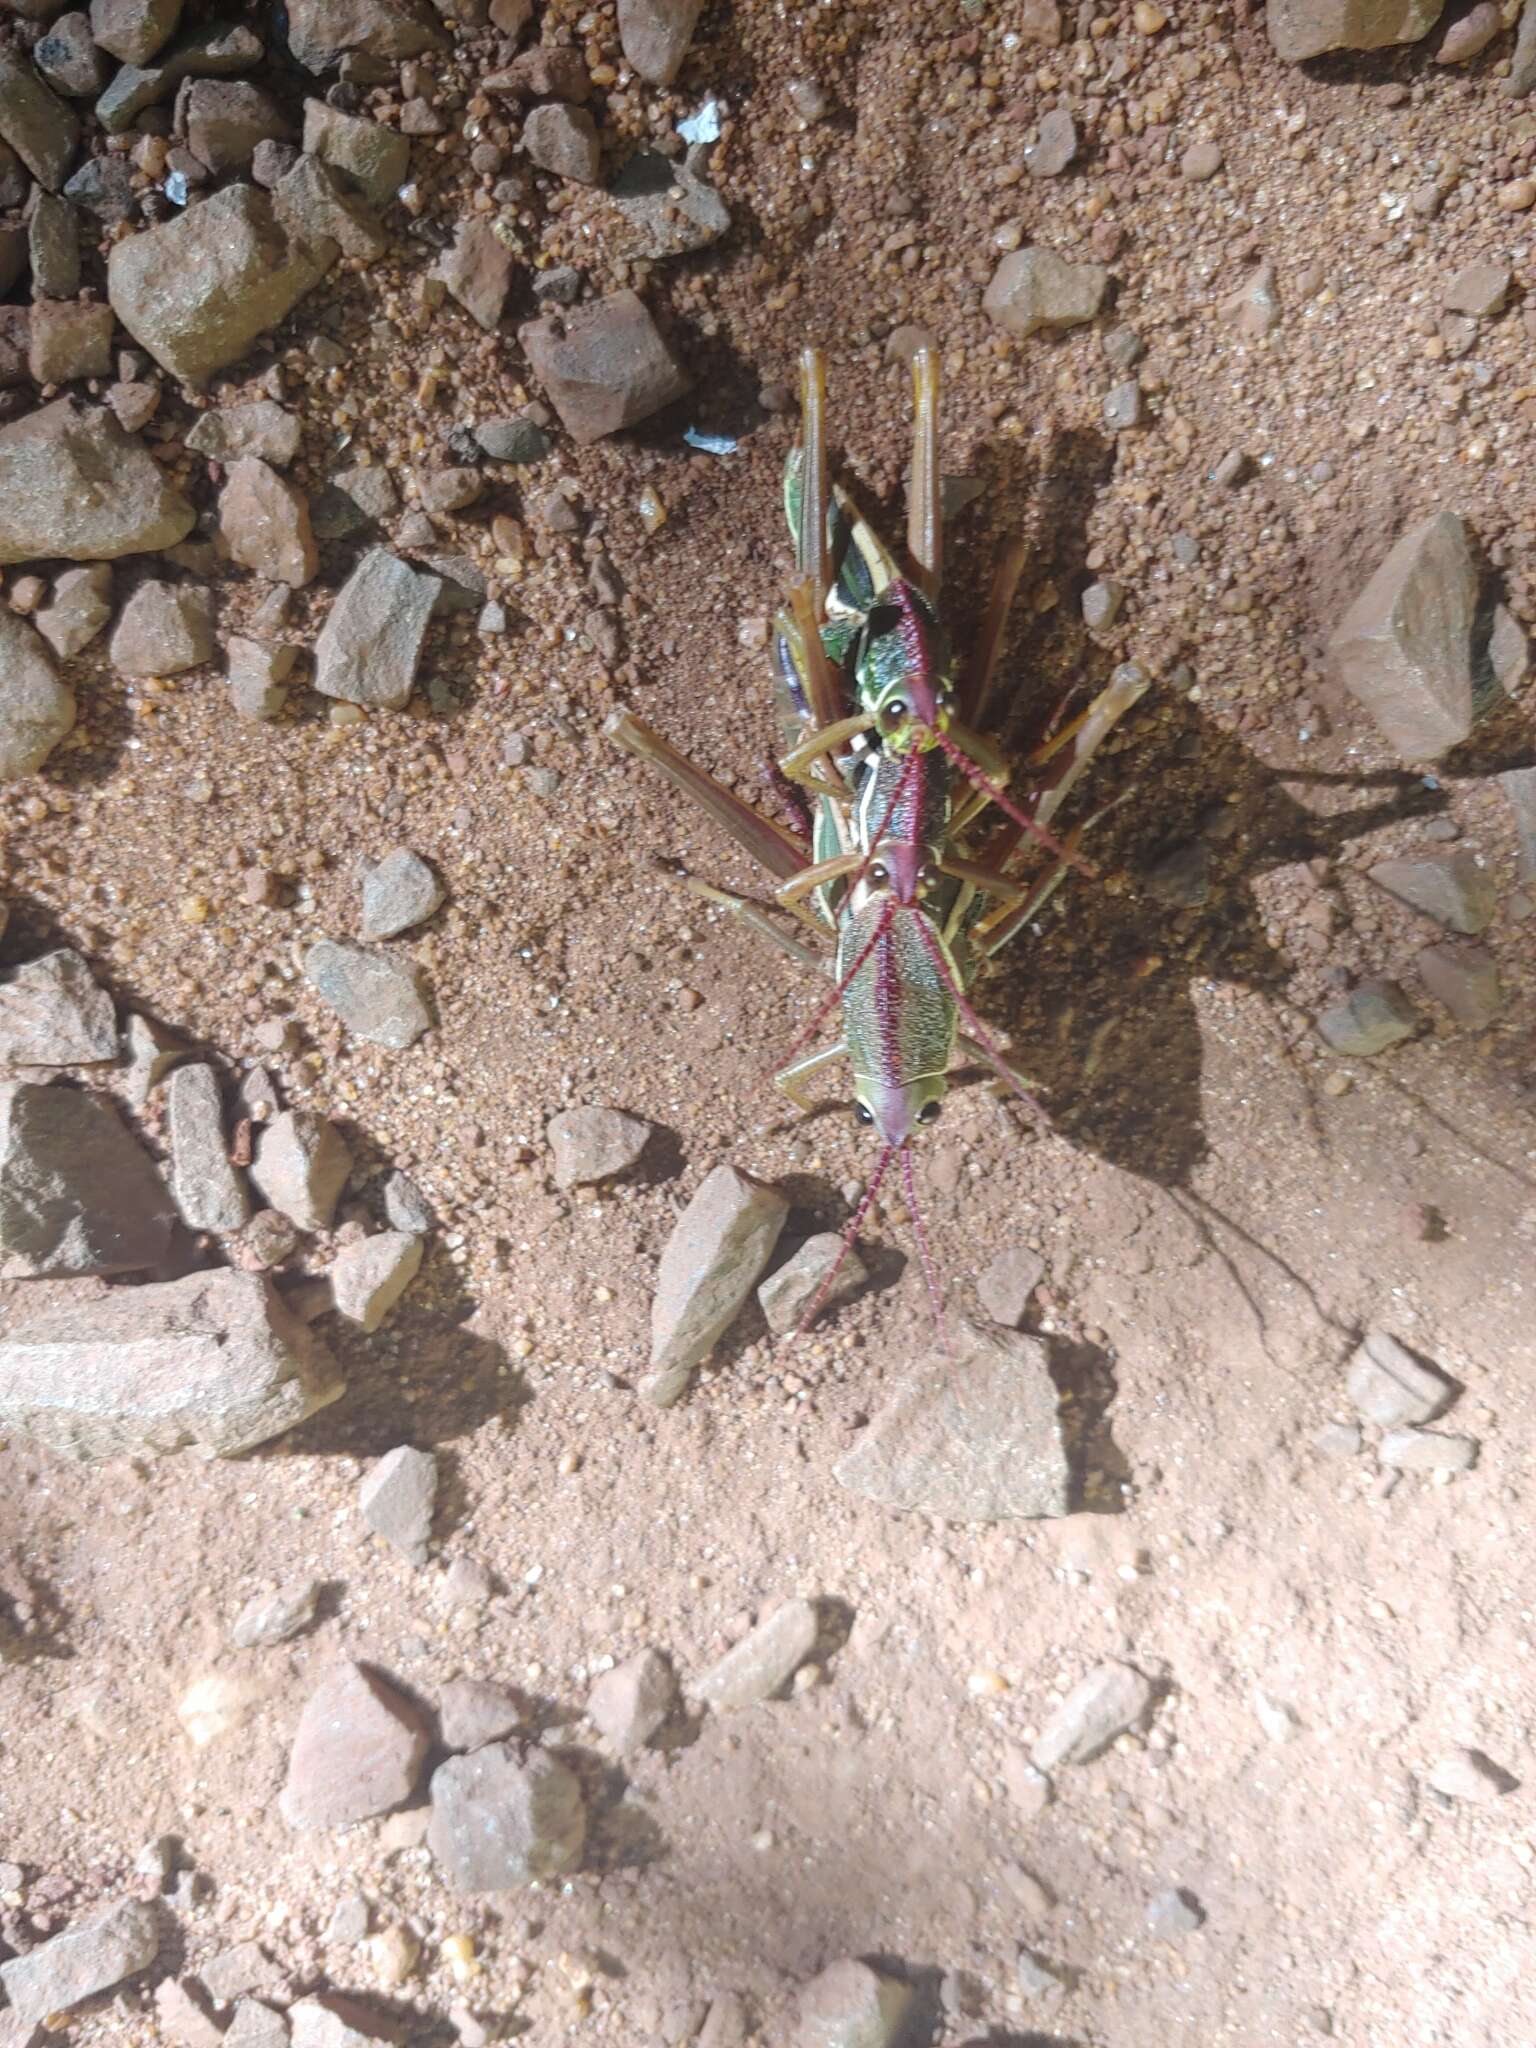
[1009, 808]
[925, 1254]
[849, 1235]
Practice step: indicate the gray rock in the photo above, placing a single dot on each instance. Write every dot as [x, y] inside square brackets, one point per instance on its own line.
[37, 707]
[265, 522]
[972, 1435]
[79, 606]
[348, 1924]
[633, 1701]
[405, 1206]
[1337, 1440]
[1522, 64]
[133, 30]
[53, 247]
[313, 2024]
[278, 1617]
[369, 493]
[255, 2025]
[319, 206]
[149, 1055]
[54, 1013]
[377, 159]
[518, 441]
[68, 340]
[321, 31]
[654, 36]
[213, 1361]
[239, 1970]
[1426, 1450]
[1110, 1700]
[1182, 878]
[78, 1194]
[397, 1497]
[1466, 980]
[1449, 887]
[68, 60]
[180, 2017]
[199, 290]
[478, 272]
[1519, 786]
[1299, 29]
[218, 50]
[399, 892]
[1055, 146]
[1035, 289]
[209, 1191]
[258, 675]
[1391, 1387]
[1006, 1283]
[765, 1659]
[1508, 652]
[474, 1711]
[563, 140]
[1479, 289]
[1404, 648]
[1123, 347]
[1101, 605]
[225, 120]
[787, 1295]
[358, 1751]
[671, 207]
[498, 1822]
[1122, 408]
[42, 130]
[163, 629]
[103, 187]
[371, 640]
[259, 427]
[717, 1250]
[1369, 1020]
[87, 1958]
[72, 483]
[852, 2006]
[1173, 1914]
[592, 1145]
[603, 366]
[725, 2024]
[377, 995]
[301, 1166]
[1470, 1778]
[368, 1278]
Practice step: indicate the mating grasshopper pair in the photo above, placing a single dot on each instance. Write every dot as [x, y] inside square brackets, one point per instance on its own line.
[911, 870]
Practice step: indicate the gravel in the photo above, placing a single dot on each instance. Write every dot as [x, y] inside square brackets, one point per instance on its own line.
[358, 1751]
[500, 1821]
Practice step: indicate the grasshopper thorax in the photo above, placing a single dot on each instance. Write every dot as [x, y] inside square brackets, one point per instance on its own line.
[903, 668]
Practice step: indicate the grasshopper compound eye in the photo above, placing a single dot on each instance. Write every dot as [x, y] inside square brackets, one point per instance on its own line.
[928, 876]
[879, 873]
[895, 713]
[863, 1113]
[930, 1112]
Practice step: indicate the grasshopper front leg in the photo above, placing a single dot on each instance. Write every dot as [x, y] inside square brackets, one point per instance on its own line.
[791, 1078]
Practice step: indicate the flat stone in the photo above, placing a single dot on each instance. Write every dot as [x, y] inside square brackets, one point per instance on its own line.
[1173, 1914]
[37, 707]
[1470, 1778]
[1007, 1281]
[787, 1295]
[68, 60]
[1390, 1387]
[213, 1361]
[377, 995]
[765, 1659]
[86, 1959]
[1426, 1450]
[377, 159]
[654, 36]
[163, 629]
[358, 1751]
[1299, 29]
[277, 1617]
[478, 272]
[1466, 980]
[1479, 289]
[592, 1145]
[1035, 290]
[852, 2006]
[180, 2017]
[210, 1192]
[518, 441]
[971, 1435]
[78, 1194]
[260, 427]
[405, 1206]
[265, 521]
[603, 366]
[67, 339]
[474, 1711]
[712, 1260]
[399, 892]
[1519, 787]
[563, 140]
[79, 606]
[43, 131]
[1370, 1019]
[319, 206]
[1055, 146]
[671, 207]
[322, 31]
[371, 641]
[1451, 888]
[54, 1013]
[1404, 648]
[633, 1701]
[1110, 1700]
[225, 119]
[53, 247]
[499, 1822]
[197, 292]
[301, 1166]
[255, 2025]
[397, 1497]
[333, 2023]
[72, 483]
[133, 30]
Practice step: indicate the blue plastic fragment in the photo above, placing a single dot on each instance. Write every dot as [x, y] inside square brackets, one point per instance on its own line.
[711, 444]
[704, 126]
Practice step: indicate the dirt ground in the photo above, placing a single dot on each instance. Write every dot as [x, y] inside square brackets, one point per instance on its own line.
[1221, 1206]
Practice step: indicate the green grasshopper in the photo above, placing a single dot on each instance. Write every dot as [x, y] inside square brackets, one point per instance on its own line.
[908, 871]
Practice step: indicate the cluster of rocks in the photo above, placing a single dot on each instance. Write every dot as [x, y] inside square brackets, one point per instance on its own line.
[1395, 1393]
[1299, 29]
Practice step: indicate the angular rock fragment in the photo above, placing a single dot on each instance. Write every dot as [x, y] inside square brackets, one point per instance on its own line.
[37, 707]
[499, 1822]
[72, 483]
[199, 290]
[405, 1206]
[377, 995]
[474, 1711]
[654, 36]
[265, 520]
[54, 1013]
[972, 1435]
[787, 1295]
[213, 1361]
[255, 2025]
[765, 1659]
[603, 366]
[633, 1701]
[1109, 1701]
[258, 676]
[1391, 1387]
[1254, 308]
[260, 427]
[1426, 1450]
[1403, 650]
[1519, 786]
[719, 1246]
[1466, 980]
[397, 1497]
[563, 140]
[371, 640]
[478, 272]
[369, 1277]
[1470, 1777]
[42, 130]
[226, 119]
[150, 1053]
[672, 208]
[399, 892]
[53, 246]
[1522, 65]
[217, 50]
[301, 1166]
[318, 206]
[68, 60]
[275, 1617]
[1055, 146]
[852, 2006]
[1174, 1913]
[87, 1958]
[358, 1751]
[1479, 289]
[322, 31]
[78, 1194]
[1007, 1281]
[591, 1145]
[163, 629]
[1452, 888]
[133, 30]
[68, 339]
[181, 2018]
[1035, 289]
[1299, 29]
[377, 159]
[80, 605]
[1369, 1020]
[208, 1190]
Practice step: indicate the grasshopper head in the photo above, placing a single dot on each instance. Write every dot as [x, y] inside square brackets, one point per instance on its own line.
[897, 1109]
[903, 668]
